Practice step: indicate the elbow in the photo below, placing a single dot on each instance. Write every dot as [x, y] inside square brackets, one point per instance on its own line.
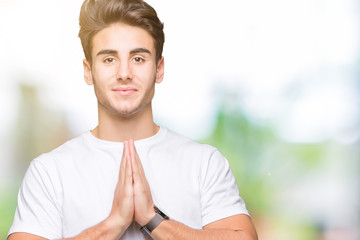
[247, 235]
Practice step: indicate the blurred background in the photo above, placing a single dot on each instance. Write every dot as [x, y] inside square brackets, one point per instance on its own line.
[275, 85]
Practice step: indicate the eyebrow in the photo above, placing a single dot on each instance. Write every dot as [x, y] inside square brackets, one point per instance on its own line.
[106, 52]
[140, 50]
[114, 52]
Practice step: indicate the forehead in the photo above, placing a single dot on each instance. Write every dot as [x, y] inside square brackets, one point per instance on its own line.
[123, 38]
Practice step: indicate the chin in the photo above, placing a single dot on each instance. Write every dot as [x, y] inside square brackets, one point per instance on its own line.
[127, 112]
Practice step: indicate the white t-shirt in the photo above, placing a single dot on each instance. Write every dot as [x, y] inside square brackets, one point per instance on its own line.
[72, 188]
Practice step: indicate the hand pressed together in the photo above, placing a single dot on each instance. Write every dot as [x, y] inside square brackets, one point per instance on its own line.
[132, 198]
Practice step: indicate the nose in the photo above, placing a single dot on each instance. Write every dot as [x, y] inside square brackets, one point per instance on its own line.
[124, 72]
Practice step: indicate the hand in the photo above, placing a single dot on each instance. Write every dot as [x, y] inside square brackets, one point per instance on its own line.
[144, 205]
[122, 212]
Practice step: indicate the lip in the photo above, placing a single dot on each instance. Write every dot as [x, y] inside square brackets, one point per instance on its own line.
[125, 91]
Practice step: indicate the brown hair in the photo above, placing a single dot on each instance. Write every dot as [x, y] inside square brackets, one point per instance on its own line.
[96, 15]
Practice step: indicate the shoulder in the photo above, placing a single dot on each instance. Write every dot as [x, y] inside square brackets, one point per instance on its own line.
[69, 149]
[183, 147]
[186, 144]
[209, 157]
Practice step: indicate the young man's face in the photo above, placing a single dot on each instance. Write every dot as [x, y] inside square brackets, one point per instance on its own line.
[123, 70]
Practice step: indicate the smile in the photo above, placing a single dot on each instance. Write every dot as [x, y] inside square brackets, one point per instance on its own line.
[124, 91]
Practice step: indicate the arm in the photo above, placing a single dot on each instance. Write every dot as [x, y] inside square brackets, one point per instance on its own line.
[104, 230]
[121, 215]
[237, 227]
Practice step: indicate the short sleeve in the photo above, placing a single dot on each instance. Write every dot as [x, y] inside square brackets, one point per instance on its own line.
[37, 211]
[219, 194]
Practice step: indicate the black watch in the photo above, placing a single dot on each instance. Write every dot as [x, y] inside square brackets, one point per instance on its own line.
[154, 222]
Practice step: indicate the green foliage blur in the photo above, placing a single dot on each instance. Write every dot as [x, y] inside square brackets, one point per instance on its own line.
[266, 166]
[7, 209]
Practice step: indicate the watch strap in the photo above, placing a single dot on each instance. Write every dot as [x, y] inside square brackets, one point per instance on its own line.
[154, 222]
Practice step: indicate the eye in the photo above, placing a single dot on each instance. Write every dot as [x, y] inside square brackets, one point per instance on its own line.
[138, 59]
[109, 60]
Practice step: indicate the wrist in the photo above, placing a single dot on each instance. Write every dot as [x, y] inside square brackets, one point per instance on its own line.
[154, 222]
[115, 225]
[151, 214]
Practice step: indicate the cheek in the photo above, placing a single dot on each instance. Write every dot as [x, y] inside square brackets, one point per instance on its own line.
[103, 74]
[147, 75]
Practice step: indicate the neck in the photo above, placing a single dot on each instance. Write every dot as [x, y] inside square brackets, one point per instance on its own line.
[116, 128]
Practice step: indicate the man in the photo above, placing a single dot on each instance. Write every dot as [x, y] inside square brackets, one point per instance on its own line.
[128, 178]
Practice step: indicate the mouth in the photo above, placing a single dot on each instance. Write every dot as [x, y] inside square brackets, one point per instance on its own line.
[124, 91]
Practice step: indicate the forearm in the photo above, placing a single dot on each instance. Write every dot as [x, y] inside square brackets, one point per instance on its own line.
[106, 230]
[172, 230]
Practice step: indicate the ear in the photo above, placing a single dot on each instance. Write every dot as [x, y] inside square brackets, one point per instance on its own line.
[87, 72]
[160, 71]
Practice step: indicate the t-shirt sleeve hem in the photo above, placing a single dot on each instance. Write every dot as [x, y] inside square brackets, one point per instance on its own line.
[215, 216]
[33, 230]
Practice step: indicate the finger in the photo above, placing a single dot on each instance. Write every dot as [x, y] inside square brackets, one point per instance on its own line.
[122, 170]
[138, 170]
[139, 165]
[135, 167]
[125, 150]
[129, 171]
[135, 157]
[138, 161]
